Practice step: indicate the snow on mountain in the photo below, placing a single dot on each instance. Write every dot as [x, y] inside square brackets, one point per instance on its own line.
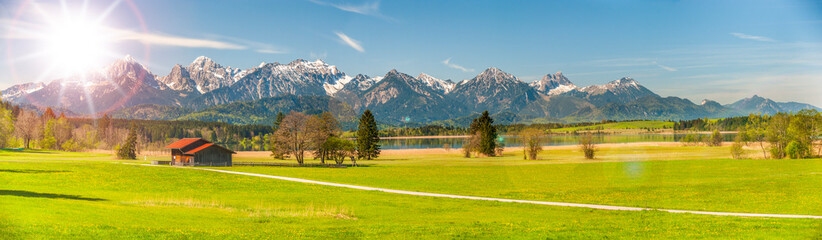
[19, 90]
[494, 90]
[202, 75]
[443, 86]
[331, 89]
[624, 90]
[553, 84]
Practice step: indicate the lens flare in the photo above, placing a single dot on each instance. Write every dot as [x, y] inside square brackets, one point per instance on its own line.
[76, 46]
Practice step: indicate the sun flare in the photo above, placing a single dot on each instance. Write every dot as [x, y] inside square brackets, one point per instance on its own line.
[76, 46]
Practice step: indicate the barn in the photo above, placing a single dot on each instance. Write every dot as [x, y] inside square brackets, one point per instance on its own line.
[199, 152]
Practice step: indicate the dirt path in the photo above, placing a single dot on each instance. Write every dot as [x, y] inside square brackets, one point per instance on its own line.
[562, 204]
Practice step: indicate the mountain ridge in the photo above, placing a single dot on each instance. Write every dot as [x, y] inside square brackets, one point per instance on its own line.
[395, 97]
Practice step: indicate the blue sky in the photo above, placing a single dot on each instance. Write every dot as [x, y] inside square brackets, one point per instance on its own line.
[720, 50]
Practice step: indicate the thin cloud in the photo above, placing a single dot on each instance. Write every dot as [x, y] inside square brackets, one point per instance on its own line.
[448, 63]
[259, 47]
[366, 8]
[122, 35]
[350, 42]
[176, 41]
[752, 37]
[667, 68]
[269, 51]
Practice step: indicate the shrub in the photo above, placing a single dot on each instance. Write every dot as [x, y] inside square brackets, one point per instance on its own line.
[736, 150]
[796, 150]
[586, 143]
[716, 138]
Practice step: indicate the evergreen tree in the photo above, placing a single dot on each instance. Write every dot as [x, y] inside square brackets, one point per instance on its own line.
[368, 137]
[279, 120]
[129, 149]
[487, 133]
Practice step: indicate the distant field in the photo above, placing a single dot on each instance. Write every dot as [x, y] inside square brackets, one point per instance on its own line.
[61, 195]
[621, 126]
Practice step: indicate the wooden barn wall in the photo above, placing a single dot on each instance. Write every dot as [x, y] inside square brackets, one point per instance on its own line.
[213, 156]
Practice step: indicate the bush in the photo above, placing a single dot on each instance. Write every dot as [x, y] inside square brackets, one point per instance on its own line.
[796, 150]
[736, 150]
[586, 143]
[716, 138]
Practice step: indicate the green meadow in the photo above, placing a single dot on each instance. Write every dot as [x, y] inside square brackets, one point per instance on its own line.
[48, 195]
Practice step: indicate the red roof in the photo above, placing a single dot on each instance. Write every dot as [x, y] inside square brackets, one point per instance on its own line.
[204, 146]
[207, 145]
[182, 143]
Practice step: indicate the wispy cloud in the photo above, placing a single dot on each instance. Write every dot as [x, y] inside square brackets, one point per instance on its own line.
[667, 68]
[366, 8]
[448, 63]
[34, 31]
[269, 51]
[259, 47]
[176, 41]
[752, 37]
[350, 42]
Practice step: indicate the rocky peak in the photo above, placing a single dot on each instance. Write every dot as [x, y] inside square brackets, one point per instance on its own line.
[435, 83]
[553, 84]
[496, 75]
[203, 62]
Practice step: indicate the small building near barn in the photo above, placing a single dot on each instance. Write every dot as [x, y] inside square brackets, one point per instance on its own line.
[199, 152]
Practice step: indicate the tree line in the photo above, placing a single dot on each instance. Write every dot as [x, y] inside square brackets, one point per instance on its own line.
[791, 135]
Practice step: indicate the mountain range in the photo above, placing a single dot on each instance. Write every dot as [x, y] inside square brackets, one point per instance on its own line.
[206, 90]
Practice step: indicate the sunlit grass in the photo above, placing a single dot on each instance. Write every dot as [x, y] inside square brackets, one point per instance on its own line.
[45, 197]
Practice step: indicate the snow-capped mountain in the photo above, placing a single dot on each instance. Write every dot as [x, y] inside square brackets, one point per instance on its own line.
[494, 90]
[443, 86]
[123, 83]
[15, 92]
[353, 91]
[395, 97]
[624, 90]
[201, 76]
[553, 84]
[401, 97]
[299, 77]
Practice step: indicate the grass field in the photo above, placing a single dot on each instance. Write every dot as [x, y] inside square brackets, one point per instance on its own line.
[70, 195]
[633, 125]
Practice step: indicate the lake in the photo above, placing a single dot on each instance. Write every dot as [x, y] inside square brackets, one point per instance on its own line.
[511, 141]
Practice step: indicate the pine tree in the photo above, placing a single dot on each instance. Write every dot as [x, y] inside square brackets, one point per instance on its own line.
[279, 120]
[368, 137]
[487, 133]
[129, 149]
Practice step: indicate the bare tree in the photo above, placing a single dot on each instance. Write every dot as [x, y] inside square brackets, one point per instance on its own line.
[28, 127]
[471, 144]
[531, 139]
[296, 134]
[586, 143]
[324, 129]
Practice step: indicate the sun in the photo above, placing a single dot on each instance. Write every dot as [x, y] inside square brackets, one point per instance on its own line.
[76, 46]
